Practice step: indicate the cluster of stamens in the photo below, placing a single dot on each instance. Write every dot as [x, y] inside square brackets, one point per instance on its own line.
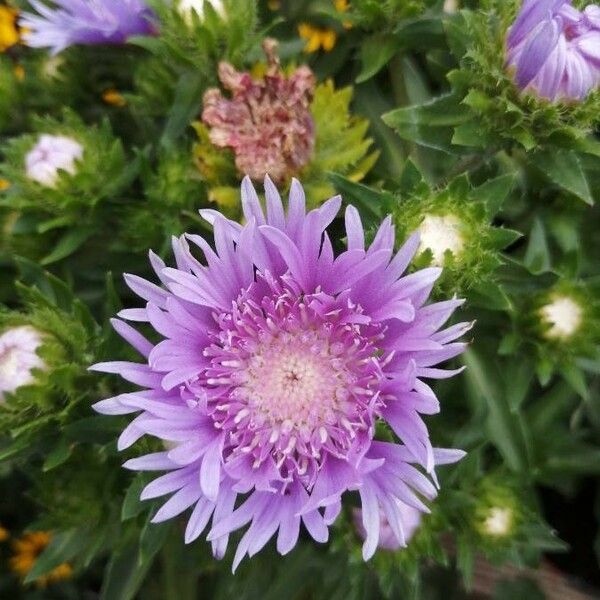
[293, 377]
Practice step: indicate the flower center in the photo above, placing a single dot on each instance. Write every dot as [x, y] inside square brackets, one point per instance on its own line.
[293, 377]
[294, 382]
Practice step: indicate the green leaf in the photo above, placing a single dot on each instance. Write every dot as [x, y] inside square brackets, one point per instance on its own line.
[495, 191]
[576, 379]
[429, 124]
[563, 168]
[132, 505]
[124, 574]
[537, 256]
[519, 377]
[471, 134]
[54, 223]
[423, 32]
[489, 295]
[506, 428]
[372, 204]
[61, 452]
[14, 448]
[62, 548]
[502, 237]
[67, 244]
[465, 560]
[410, 178]
[375, 52]
[97, 429]
[188, 97]
[152, 539]
[583, 460]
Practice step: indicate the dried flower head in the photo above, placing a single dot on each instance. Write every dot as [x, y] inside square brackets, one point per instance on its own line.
[267, 123]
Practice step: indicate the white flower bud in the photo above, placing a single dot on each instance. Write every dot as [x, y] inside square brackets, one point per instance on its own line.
[563, 316]
[18, 357]
[51, 154]
[185, 8]
[441, 233]
[498, 522]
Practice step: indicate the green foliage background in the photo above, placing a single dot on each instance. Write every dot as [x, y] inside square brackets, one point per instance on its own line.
[415, 115]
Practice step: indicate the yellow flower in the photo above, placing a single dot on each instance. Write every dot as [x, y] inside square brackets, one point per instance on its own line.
[26, 551]
[4, 535]
[317, 38]
[9, 34]
[19, 72]
[113, 98]
[4, 184]
[342, 6]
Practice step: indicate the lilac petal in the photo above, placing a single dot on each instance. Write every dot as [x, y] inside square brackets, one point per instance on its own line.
[447, 456]
[179, 502]
[335, 477]
[403, 257]
[165, 484]
[332, 512]
[289, 530]
[532, 13]
[132, 433]
[112, 406]
[275, 213]
[250, 202]
[354, 229]
[296, 209]
[223, 509]
[198, 520]
[536, 52]
[287, 249]
[157, 461]
[133, 314]
[315, 525]
[146, 290]
[384, 238]
[129, 334]
[370, 520]
[210, 471]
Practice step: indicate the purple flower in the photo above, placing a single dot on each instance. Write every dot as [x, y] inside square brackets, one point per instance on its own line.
[85, 22]
[277, 361]
[554, 49]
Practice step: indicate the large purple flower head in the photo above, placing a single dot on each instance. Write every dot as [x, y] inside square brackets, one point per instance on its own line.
[278, 360]
[554, 49]
[85, 22]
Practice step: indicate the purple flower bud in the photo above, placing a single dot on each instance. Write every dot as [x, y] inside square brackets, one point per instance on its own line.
[85, 22]
[553, 50]
[388, 536]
